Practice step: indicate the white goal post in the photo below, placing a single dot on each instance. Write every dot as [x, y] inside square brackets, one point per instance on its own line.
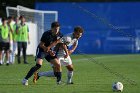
[41, 19]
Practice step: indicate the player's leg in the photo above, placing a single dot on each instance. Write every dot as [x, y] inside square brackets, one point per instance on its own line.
[46, 74]
[32, 71]
[52, 73]
[24, 45]
[39, 59]
[11, 52]
[69, 74]
[3, 56]
[19, 46]
[37, 75]
[1, 62]
[69, 66]
[57, 69]
[7, 48]
[1, 53]
[14, 52]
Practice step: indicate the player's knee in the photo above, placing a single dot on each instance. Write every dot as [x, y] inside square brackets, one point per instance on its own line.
[70, 68]
[38, 66]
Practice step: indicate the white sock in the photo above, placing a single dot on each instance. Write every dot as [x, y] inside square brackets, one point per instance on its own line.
[47, 74]
[12, 58]
[7, 62]
[69, 75]
[3, 56]
[1, 62]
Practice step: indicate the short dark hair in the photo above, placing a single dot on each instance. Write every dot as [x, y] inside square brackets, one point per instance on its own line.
[10, 17]
[21, 17]
[55, 24]
[78, 29]
[3, 19]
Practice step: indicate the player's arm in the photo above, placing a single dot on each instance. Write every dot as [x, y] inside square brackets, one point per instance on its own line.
[42, 45]
[54, 44]
[66, 51]
[10, 28]
[73, 48]
[28, 35]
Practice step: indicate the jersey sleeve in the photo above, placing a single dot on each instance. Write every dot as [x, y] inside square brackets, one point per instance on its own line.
[76, 42]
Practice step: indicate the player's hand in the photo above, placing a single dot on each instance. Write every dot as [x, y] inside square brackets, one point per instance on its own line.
[66, 56]
[47, 49]
[52, 53]
[70, 52]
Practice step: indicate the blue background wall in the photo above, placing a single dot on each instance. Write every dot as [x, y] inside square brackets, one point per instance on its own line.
[96, 31]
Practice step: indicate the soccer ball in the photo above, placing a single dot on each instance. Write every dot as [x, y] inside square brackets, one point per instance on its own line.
[117, 87]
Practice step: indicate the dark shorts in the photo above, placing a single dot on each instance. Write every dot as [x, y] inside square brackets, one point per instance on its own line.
[4, 46]
[41, 54]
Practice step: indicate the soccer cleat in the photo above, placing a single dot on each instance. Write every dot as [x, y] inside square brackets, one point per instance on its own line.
[36, 77]
[69, 83]
[7, 64]
[25, 82]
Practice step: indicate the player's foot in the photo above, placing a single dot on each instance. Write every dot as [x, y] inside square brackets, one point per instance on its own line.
[69, 83]
[25, 82]
[26, 62]
[7, 64]
[59, 82]
[36, 77]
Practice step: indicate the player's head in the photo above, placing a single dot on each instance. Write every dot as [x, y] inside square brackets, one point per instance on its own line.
[4, 21]
[10, 19]
[16, 19]
[78, 31]
[22, 18]
[55, 27]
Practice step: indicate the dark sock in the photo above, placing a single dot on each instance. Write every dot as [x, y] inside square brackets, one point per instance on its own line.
[32, 70]
[58, 76]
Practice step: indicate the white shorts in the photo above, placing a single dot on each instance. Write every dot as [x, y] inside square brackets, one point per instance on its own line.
[65, 61]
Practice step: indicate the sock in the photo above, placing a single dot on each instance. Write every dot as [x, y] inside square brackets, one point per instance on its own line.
[47, 74]
[32, 70]
[1, 62]
[7, 62]
[69, 75]
[58, 76]
[3, 57]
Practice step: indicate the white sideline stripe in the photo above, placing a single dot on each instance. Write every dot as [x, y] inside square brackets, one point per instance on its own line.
[102, 57]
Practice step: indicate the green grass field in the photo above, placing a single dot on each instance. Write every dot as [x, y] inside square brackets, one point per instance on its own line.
[90, 76]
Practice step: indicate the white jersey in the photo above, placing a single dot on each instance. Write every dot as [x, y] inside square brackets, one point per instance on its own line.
[69, 40]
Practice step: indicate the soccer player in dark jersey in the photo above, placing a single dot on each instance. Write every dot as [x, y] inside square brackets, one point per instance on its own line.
[44, 52]
[69, 40]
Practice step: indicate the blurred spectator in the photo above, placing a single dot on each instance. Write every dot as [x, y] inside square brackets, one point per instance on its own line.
[22, 39]
[4, 40]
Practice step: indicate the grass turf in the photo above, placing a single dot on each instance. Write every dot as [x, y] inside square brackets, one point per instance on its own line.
[93, 74]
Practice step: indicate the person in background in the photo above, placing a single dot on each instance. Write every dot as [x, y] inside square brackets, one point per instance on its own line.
[4, 40]
[22, 32]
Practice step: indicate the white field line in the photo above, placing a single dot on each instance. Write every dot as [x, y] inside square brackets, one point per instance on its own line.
[102, 57]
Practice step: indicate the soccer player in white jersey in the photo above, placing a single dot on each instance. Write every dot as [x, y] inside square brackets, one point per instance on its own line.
[68, 40]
